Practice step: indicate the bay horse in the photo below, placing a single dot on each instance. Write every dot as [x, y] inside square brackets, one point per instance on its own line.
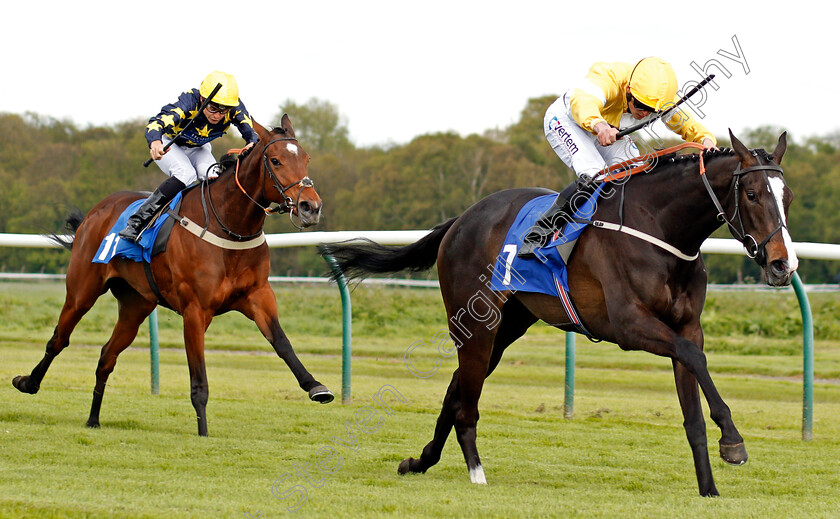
[628, 291]
[193, 277]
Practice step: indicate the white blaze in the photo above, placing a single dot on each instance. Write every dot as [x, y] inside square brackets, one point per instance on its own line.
[777, 188]
[292, 148]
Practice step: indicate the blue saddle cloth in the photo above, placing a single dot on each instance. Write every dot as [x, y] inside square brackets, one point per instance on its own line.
[546, 273]
[113, 246]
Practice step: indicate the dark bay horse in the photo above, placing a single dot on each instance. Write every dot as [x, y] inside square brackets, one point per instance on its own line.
[194, 277]
[627, 290]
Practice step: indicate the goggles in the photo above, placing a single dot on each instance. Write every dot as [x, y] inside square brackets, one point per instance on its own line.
[213, 108]
[641, 106]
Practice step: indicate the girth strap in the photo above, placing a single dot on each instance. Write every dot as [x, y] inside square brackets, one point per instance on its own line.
[147, 268]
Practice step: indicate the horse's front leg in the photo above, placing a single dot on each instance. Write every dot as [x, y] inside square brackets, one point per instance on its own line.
[732, 448]
[260, 305]
[695, 428]
[196, 321]
[643, 331]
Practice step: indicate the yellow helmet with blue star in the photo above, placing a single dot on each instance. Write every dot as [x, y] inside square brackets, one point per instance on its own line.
[653, 82]
[228, 95]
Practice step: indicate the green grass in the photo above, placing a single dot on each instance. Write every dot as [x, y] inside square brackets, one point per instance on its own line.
[623, 455]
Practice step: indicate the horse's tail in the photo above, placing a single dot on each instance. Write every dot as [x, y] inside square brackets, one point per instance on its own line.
[71, 224]
[356, 260]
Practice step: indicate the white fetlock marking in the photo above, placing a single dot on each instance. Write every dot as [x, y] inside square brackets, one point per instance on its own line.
[477, 476]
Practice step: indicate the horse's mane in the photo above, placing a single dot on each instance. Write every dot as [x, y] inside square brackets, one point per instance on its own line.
[228, 160]
[672, 159]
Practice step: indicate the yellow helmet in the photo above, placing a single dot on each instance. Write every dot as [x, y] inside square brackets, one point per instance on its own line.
[228, 95]
[653, 82]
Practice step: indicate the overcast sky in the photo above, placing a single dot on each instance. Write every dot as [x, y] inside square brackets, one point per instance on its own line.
[397, 69]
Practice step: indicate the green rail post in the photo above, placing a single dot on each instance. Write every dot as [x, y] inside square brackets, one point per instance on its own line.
[807, 360]
[346, 329]
[569, 402]
[154, 351]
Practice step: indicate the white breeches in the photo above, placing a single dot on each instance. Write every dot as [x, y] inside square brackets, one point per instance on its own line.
[186, 164]
[578, 148]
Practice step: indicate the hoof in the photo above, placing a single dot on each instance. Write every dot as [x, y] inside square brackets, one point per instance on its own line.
[410, 465]
[735, 454]
[712, 492]
[93, 425]
[404, 467]
[321, 394]
[20, 384]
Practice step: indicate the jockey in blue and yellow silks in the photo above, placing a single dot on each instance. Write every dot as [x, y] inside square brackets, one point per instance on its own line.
[190, 156]
[173, 117]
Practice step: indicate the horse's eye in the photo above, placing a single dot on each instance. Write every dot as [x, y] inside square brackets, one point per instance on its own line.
[751, 196]
[275, 162]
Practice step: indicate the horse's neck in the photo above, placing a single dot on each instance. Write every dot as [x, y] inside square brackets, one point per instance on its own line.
[679, 203]
[229, 196]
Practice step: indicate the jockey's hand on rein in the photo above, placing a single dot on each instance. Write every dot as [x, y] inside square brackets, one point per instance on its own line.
[606, 133]
[584, 180]
[156, 150]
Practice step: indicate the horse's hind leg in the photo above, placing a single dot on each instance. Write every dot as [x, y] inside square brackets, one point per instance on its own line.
[516, 320]
[133, 310]
[475, 365]
[446, 420]
[81, 295]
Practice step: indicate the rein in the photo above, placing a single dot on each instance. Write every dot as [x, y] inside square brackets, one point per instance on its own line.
[754, 249]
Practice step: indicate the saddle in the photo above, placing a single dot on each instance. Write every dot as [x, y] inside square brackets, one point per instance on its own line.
[152, 241]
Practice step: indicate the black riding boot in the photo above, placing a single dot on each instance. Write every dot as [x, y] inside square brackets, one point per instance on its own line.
[162, 195]
[551, 219]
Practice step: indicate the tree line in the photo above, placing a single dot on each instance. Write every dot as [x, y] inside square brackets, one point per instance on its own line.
[49, 166]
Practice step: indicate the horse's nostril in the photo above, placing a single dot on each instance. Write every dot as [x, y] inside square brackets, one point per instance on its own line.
[779, 266]
[305, 207]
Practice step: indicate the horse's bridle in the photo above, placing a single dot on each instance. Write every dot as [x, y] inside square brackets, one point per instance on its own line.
[755, 250]
[288, 206]
[288, 203]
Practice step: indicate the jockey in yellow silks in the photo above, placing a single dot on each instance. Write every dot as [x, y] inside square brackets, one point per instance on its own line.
[582, 124]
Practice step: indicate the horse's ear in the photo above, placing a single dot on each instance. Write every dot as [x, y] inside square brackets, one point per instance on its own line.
[779, 152]
[741, 151]
[286, 124]
[262, 133]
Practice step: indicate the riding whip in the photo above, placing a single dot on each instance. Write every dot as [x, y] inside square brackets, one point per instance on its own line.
[189, 124]
[628, 131]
